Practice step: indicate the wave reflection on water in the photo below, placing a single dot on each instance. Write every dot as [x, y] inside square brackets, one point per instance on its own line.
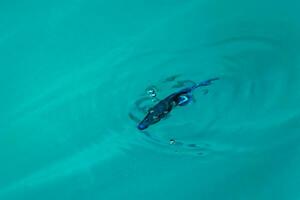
[81, 120]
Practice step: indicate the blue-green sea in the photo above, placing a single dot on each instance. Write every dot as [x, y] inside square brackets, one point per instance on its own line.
[75, 79]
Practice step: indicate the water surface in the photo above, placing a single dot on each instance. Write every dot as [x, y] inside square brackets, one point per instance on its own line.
[71, 72]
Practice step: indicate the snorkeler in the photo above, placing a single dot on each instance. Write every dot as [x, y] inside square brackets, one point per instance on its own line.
[165, 106]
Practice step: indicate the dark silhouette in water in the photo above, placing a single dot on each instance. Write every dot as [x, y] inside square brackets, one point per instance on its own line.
[165, 106]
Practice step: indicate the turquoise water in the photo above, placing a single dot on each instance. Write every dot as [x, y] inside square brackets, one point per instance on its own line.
[72, 71]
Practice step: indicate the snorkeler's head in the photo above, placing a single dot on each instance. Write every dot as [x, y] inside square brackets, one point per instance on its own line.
[151, 118]
[142, 126]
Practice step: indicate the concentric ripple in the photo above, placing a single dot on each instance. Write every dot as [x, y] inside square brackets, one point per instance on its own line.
[238, 110]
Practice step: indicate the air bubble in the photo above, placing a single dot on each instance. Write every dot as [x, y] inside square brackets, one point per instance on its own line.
[172, 142]
[151, 92]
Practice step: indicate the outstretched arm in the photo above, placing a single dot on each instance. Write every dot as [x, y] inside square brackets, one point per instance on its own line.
[205, 83]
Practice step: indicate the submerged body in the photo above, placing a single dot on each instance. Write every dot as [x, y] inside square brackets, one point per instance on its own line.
[165, 106]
